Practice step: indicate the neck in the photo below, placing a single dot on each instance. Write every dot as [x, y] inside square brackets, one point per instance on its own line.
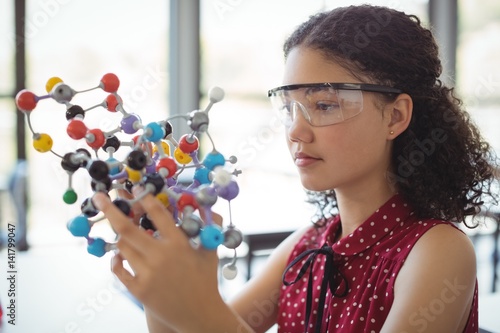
[356, 206]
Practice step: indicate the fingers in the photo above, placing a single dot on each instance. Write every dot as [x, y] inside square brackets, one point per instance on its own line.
[161, 217]
[136, 259]
[217, 219]
[121, 223]
[120, 271]
[214, 217]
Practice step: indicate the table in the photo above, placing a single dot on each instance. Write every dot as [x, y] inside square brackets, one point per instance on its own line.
[66, 290]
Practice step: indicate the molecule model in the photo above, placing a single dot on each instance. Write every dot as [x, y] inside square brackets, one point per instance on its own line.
[154, 161]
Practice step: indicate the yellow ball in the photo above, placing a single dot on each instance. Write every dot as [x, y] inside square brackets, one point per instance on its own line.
[42, 142]
[163, 197]
[52, 82]
[133, 175]
[181, 157]
[164, 146]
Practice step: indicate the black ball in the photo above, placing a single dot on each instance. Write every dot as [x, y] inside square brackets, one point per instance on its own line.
[146, 223]
[168, 129]
[103, 185]
[129, 185]
[113, 142]
[67, 163]
[88, 208]
[86, 152]
[98, 170]
[156, 180]
[123, 205]
[74, 111]
[136, 160]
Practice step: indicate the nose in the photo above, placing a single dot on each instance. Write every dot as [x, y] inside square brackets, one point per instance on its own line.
[299, 129]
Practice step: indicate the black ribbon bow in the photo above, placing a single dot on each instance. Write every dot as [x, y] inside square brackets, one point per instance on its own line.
[330, 278]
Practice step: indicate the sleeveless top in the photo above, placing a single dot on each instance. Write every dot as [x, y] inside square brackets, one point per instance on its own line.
[348, 286]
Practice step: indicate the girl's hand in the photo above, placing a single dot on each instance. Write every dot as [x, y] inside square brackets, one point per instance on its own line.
[137, 209]
[174, 280]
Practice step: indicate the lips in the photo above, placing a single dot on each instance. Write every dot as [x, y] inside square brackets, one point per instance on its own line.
[303, 160]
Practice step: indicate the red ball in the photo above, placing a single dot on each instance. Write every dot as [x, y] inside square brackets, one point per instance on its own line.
[97, 139]
[186, 200]
[135, 138]
[145, 146]
[76, 129]
[26, 100]
[112, 102]
[168, 164]
[110, 83]
[188, 147]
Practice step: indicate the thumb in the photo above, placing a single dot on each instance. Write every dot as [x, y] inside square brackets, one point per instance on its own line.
[217, 219]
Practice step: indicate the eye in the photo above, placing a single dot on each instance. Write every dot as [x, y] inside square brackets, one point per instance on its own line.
[327, 107]
[286, 107]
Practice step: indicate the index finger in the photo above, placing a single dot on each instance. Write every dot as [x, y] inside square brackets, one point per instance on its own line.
[121, 223]
[159, 214]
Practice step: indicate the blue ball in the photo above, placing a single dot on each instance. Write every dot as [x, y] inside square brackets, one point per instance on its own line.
[96, 247]
[213, 160]
[115, 169]
[155, 132]
[79, 226]
[201, 175]
[211, 236]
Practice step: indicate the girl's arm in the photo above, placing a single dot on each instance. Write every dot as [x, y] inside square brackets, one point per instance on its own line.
[435, 288]
[155, 325]
[257, 302]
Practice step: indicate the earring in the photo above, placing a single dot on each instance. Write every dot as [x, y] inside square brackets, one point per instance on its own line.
[391, 132]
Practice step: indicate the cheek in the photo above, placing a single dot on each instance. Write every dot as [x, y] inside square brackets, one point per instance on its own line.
[361, 143]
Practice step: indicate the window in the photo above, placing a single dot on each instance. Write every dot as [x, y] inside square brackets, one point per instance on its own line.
[7, 108]
[80, 41]
[478, 73]
[242, 52]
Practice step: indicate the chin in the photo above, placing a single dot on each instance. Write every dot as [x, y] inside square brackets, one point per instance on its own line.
[318, 186]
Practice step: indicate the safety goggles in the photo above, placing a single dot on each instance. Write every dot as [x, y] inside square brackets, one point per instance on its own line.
[323, 104]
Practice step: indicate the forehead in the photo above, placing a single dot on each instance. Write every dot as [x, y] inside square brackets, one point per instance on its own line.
[306, 65]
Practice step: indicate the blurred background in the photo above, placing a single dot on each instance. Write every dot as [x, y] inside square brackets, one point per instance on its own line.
[168, 54]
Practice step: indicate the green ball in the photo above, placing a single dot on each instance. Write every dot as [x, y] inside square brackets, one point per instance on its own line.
[70, 197]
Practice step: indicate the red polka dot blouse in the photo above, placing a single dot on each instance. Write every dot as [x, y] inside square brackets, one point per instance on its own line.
[348, 286]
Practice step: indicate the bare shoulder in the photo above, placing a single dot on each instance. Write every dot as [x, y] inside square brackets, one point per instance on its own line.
[434, 289]
[443, 243]
[443, 252]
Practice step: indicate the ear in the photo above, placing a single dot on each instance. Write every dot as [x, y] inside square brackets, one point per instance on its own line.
[399, 115]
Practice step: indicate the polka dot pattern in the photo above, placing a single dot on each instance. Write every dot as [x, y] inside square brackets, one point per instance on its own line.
[370, 259]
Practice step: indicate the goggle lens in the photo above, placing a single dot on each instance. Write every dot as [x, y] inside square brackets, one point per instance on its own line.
[320, 106]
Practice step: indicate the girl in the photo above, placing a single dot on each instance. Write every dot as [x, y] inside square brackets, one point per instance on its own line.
[372, 129]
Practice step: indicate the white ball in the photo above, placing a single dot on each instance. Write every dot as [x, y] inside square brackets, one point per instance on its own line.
[216, 94]
[222, 177]
[229, 271]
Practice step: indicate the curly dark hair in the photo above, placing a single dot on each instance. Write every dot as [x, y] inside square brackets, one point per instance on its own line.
[440, 164]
